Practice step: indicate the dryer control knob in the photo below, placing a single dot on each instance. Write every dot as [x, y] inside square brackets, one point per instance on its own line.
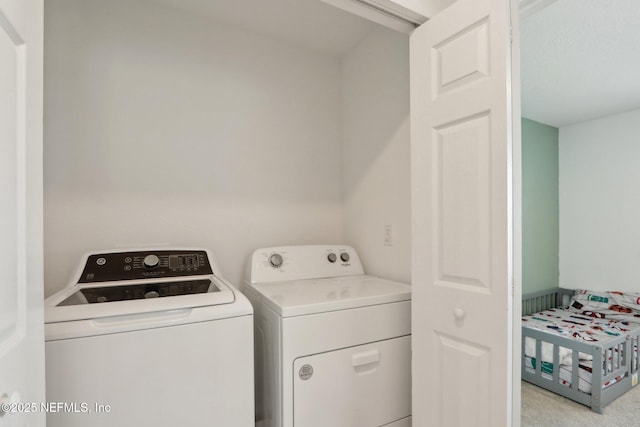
[332, 257]
[275, 260]
[344, 257]
[151, 261]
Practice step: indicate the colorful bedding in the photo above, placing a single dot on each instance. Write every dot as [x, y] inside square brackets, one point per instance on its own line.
[591, 317]
[623, 306]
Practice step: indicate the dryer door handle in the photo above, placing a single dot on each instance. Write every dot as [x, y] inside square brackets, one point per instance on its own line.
[365, 358]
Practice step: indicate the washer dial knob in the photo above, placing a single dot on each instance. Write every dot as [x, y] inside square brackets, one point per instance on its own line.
[344, 257]
[151, 261]
[332, 257]
[275, 260]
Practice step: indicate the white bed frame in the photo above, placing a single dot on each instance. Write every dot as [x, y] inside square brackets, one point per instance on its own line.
[622, 348]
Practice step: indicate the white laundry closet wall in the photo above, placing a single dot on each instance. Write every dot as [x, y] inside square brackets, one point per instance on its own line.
[166, 127]
[376, 153]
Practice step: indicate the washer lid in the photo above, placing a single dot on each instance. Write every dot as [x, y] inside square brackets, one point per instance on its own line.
[108, 299]
[301, 297]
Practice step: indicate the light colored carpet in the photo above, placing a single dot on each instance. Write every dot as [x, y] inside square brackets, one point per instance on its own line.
[543, 408]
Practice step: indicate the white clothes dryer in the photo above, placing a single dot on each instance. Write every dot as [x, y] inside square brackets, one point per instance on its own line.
[333, 345]
[149, 338]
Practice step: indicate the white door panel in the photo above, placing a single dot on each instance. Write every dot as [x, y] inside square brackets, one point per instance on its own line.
[461, 208]
[11, 321]
[21, 298]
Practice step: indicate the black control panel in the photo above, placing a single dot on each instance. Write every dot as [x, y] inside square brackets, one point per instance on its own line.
[118, 266]
[147, 290]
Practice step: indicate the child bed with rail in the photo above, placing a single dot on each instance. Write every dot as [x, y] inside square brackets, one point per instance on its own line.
[581, 344]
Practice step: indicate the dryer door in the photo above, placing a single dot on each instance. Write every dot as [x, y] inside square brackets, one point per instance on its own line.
[367, 385]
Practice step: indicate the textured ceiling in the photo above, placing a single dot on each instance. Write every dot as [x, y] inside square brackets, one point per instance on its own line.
[580, 60]
[310, 24]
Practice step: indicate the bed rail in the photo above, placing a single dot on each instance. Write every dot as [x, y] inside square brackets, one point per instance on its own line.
[544, 300]
[611, 361]
[634, 352]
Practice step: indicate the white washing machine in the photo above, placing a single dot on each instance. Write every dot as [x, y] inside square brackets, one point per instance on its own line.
[149, 338]
[333, 345]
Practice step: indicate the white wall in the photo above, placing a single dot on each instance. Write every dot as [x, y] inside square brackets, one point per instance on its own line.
[376, 153]
[600, 203]
[162, 127]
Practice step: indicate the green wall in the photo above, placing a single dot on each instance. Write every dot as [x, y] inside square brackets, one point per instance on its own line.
[539, 206]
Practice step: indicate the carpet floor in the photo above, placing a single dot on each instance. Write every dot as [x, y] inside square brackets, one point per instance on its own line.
[543, 408]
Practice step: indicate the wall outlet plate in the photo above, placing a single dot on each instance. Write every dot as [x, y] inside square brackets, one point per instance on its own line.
[388, 235]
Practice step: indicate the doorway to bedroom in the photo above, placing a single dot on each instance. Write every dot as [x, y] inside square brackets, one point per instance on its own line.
[580, 127]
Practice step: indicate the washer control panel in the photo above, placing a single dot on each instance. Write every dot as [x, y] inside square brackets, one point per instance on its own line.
[284, 263]
[147, 290]
[117, 266]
